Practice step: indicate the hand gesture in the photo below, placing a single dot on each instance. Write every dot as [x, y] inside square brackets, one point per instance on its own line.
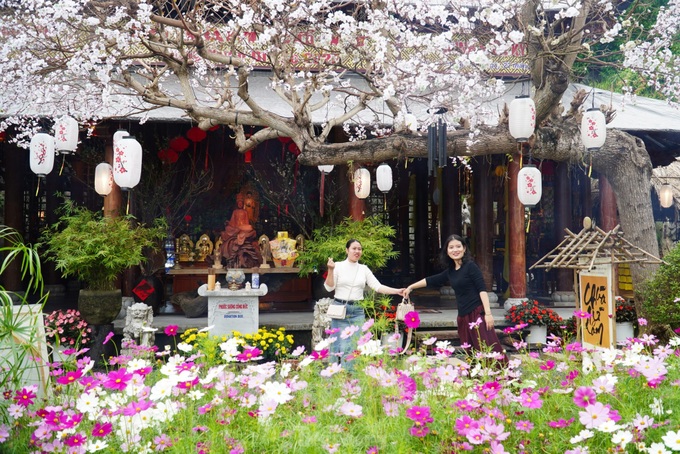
[330, 264]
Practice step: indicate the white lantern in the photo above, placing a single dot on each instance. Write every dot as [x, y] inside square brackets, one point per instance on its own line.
[42, 154]
[119, 135]
[522, 118]
[326, 169]
[362, 183]
[666, 196]
[593, 129]
[529, 185]
[66, 135]
[127, 163]
[103, 178]
[383, 176]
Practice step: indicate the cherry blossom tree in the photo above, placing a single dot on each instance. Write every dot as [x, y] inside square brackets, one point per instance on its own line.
[368, 66]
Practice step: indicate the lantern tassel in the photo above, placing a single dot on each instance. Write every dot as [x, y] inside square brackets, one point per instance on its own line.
[127, 207]
[384, 202]
[63, 161]
[590, 166]
[37, 188]
[529, 222]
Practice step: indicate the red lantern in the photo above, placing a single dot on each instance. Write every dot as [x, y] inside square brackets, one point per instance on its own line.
[179, 144]
[248, 156]
[196, 134]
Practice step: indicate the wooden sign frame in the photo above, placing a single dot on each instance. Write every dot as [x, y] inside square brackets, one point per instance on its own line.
[596, 297]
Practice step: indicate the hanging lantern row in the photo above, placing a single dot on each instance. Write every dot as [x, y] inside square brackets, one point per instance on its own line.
[43, 146]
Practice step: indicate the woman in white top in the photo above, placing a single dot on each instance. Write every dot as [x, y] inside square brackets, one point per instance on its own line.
[349, 278]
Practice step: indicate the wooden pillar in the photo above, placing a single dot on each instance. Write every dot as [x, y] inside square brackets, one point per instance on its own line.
[16, 168]
[608, 216]
[452, 217]
[483, 218]
[113, 203]
[562, 200]
[517, 236]
[421, 225]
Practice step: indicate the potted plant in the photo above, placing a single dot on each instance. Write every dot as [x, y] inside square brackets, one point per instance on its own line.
[626, 319]
[534, 316]
[95, 250]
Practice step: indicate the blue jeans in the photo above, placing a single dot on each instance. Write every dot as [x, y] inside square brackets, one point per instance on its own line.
[342, 347]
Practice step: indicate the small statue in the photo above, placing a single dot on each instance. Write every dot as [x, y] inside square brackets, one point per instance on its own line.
[138, 328]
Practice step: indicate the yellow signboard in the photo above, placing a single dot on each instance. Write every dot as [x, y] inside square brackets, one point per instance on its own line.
[596, 298]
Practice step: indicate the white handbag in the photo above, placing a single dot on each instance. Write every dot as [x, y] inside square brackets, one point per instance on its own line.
[337, 311]
[404, 308]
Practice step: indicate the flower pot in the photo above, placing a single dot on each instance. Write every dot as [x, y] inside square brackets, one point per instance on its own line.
[624, 330]
[100, 307]
[537, 334]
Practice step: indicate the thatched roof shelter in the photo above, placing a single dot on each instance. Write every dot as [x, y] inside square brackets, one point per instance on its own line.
[592, 246]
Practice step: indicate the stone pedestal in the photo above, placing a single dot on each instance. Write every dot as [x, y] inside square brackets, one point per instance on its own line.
[233, 310]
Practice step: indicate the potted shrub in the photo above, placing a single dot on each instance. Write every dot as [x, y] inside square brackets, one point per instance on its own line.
[535, 317]
[95, 250]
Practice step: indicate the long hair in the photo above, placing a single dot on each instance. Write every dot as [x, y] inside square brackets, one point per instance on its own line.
[446, 261]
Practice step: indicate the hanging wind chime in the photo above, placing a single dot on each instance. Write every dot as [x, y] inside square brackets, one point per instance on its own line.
[436, 142]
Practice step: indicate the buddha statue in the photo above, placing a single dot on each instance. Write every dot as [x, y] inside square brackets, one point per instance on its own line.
[239, 248]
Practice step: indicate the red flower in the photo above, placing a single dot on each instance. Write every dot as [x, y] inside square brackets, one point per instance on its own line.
[187, 218]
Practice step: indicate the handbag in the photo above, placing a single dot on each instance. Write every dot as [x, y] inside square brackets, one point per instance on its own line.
[404, 308]
[337, 311]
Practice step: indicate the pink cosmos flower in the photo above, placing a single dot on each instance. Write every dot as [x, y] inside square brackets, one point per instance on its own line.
[582, 314]
[25, 397]
[75, 440]
[249, 354]
[372, 450]
[560, 424]
[101, 430]
[524, 425]
[309, 419]
[320, 354]
[171, 330]
[584, 396]
[117, 379]
[548, 365]
[530, 399]
[419, 430]
[162, 442]
[108, 337]
[412, 320]
[594, 415]
[70, 377]
[419, 414]
[465, 424]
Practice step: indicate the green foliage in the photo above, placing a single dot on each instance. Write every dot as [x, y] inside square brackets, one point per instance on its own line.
[661, 290]
[379, 307]
[96, 249]
[330, 241]
[20, 340]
